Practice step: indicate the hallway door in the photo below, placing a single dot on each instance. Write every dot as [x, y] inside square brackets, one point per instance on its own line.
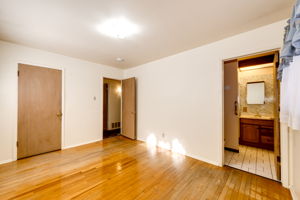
[129, 108]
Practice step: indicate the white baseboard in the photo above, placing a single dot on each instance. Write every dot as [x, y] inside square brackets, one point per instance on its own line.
[204, 160]
[66, 147]
[80, 144]
[6, 161]
[190, 155]
[293, 193]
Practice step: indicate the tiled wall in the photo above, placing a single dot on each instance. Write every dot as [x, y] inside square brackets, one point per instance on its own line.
[266, 75]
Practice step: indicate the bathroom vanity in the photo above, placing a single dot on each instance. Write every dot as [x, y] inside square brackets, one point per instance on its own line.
[257, 132]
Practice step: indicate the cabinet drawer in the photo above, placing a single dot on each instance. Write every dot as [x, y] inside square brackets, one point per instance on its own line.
[267, 131]
[267, 140]
[258, 122]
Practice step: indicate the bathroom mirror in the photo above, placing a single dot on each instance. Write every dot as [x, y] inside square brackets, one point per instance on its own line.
[256, 93]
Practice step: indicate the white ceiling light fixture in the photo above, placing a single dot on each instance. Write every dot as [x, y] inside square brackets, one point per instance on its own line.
[120, 59]
[118, 28]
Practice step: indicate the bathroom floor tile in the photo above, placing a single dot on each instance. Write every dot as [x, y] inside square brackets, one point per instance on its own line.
[253, 160]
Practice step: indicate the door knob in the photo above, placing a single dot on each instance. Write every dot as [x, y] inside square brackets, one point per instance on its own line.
[59, 114]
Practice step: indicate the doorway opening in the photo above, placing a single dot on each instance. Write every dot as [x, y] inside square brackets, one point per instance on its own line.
[251, 114]
[119, 108]
[112, 95]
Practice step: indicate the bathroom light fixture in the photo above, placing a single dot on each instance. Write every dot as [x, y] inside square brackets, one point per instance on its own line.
[256, 67]
[118, 28]
[119, 90]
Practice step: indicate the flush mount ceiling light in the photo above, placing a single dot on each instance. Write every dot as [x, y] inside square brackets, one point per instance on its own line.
[118, 28]
[120, 59]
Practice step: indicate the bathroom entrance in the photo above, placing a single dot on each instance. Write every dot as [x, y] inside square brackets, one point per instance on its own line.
[251, 114]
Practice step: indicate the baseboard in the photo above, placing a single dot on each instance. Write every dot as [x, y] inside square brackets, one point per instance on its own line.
[231, 149]
[190, 155]
[80, 144]
[293, 193]
[6, 161]
[204, 160]
[66, 147]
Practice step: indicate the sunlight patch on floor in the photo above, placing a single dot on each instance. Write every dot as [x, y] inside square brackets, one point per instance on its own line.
[175, 146]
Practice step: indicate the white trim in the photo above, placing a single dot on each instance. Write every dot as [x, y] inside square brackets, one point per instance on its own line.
[80, 144]
[293, 193]
[222, 115]
[187, 154]
[284, 149]
[6, 161]
[204, 160]
[291, 156]
[15, 137]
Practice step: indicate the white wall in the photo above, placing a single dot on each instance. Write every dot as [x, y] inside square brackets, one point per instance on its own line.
[82, 81]
[181, 95]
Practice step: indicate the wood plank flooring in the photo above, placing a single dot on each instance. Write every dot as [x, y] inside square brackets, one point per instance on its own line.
[254, 160]
[118, 168]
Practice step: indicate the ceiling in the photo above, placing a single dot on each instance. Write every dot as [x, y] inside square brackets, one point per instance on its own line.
[167, 27]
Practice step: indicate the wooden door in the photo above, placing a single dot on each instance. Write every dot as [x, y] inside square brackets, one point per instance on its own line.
[105, 106]
[129, 108]
[276, 118]
[231, 118]
[39, 110]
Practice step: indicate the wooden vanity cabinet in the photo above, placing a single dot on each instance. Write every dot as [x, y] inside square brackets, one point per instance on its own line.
[257, 133]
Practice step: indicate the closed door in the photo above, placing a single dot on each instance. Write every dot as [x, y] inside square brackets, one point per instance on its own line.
[39, 110]
[129, 108]
[231, 118]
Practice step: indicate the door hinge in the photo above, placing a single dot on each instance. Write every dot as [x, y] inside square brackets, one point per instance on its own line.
[17, 143]
[278, 159]
[18, 73]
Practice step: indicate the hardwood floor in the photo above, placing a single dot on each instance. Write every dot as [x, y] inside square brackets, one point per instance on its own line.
[119, 168]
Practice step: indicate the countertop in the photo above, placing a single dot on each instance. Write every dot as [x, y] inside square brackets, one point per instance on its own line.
[256, 117]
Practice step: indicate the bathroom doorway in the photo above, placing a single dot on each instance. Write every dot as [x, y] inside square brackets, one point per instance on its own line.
[251, 114]
[112, 95]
